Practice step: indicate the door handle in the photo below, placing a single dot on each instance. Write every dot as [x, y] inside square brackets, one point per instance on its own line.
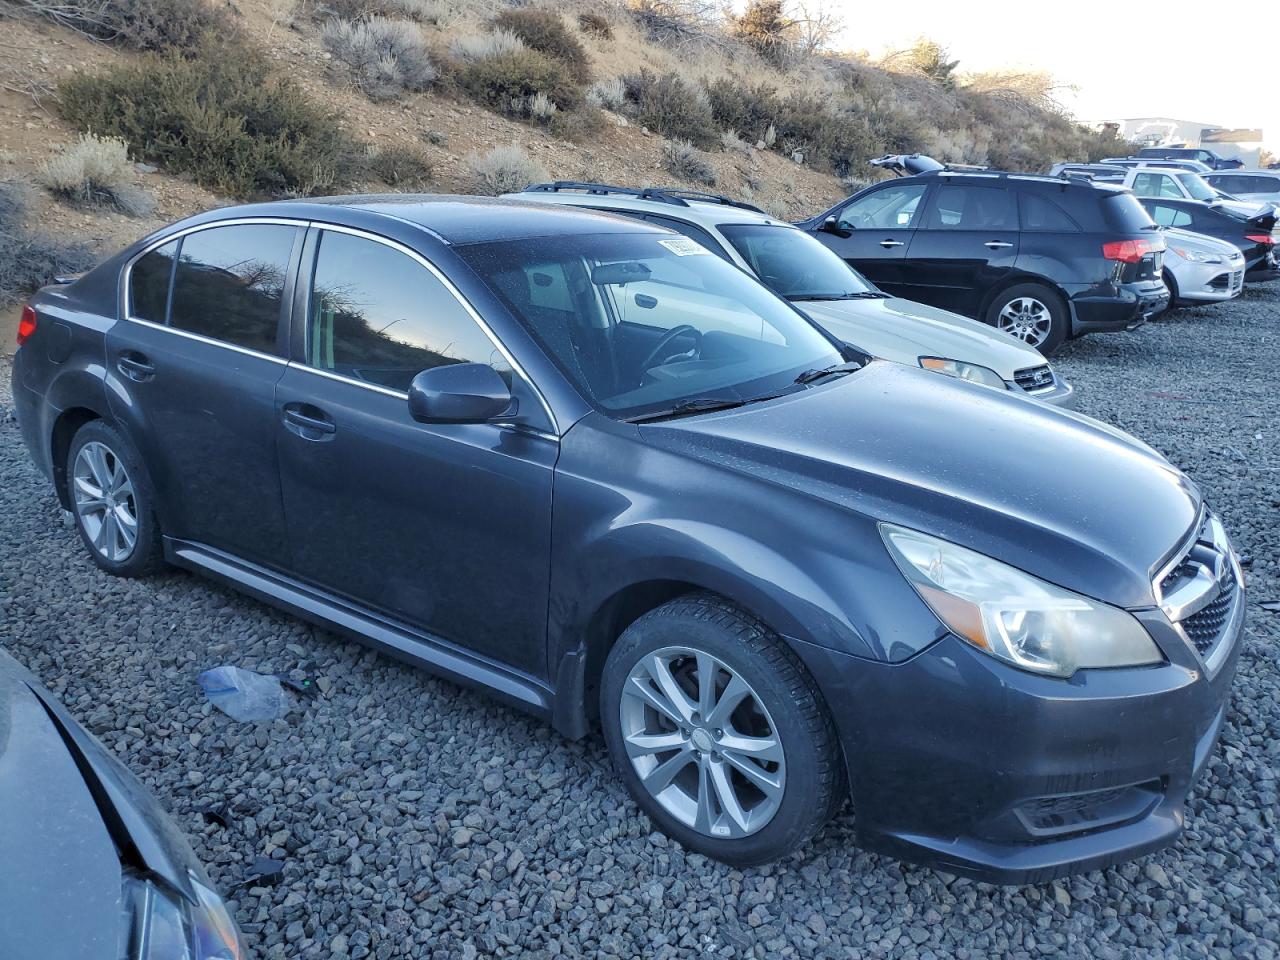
[891, 243]
[136, 367]
[997, 245]
[304, 424]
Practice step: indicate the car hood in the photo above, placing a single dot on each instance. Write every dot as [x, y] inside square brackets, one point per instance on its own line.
[1054, 493]
[61, 886]
[904, 331]
[1200, 242]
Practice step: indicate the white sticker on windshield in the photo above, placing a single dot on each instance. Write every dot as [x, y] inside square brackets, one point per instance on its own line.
[684, 247]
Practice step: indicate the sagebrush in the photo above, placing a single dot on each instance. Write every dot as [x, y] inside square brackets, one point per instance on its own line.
[29, 259]
[139, 24]
[95, 171]
[544, 31]
[386, 57]
[669, 105]
[504, 170]
[687, 162]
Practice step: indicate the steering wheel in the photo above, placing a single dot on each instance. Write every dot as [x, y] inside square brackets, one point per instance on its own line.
[671, 335]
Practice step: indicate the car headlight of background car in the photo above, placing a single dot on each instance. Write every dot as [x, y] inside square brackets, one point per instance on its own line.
[965, 371]
[164, 925]
[1014, 616]
[1194, 257]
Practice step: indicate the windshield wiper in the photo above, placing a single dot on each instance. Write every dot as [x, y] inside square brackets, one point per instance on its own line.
[861, 295]
[690, 406]
[838, 369]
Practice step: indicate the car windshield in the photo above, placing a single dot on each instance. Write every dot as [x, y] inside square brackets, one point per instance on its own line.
[646, 324]
[793, 264]
[1196, 188]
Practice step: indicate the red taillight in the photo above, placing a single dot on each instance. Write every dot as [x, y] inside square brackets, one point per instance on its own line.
[27, 323]
[1264, 238]
[1129, 251]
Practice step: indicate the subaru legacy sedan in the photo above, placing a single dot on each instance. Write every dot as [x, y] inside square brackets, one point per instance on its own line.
[772, 572]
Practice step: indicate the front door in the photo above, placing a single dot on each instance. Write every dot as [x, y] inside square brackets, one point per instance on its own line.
[196, 360]
[445, 528]
[873, 230]
[966, 243]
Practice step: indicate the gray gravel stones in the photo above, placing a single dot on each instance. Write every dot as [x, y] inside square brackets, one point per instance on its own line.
[416, 819]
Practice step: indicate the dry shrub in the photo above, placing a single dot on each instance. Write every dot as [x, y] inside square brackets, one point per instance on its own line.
[687, 162]
[399, 166]
[222, 116]
[29, 260]
[96, 172]
[608, 94]
[386, 57]
[747, 108]
[138, 24]
[470, 47]
[504, 170]
[506, 79]
[544, 31]
[595, 24]
[672, 107]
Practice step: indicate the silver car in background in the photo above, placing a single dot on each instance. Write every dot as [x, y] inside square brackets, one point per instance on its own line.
[1259, 186]
[1201, 269]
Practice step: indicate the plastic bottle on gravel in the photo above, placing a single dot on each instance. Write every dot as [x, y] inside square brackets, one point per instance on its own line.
[243, 694]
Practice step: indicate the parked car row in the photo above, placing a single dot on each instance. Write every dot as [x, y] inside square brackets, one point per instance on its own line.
[656, 463]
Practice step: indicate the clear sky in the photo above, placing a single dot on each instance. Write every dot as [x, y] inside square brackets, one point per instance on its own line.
[1174, 59]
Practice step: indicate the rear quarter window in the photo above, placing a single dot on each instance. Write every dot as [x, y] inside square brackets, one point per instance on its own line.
[1123, 212]
[149, 280]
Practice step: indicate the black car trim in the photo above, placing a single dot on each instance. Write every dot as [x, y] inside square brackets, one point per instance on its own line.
[462, 301]
[403, 642]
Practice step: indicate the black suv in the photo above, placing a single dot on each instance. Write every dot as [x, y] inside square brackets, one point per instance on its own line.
[1042, 258]
[1207, 157]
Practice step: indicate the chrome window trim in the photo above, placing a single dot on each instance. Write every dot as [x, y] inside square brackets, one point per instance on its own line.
[462, 301]
[199, 338]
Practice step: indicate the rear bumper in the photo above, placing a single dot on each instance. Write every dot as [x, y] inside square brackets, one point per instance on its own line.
[959, 762]
[1123, 307]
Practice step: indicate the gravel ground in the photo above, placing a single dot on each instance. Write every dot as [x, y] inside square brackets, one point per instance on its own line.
[418, 819]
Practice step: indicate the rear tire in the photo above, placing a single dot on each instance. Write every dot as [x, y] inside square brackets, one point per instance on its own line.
[1032, 313]
[1172, 284]
[113, 502]
[719, 732]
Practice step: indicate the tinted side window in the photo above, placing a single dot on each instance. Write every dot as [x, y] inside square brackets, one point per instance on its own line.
[1168, 216]
[149, 283]
[378, 315]
[1041, 213]
[888, 208]
[230, 281]
[966, 207]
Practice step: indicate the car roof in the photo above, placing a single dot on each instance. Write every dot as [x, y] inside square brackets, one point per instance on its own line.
[454, 219]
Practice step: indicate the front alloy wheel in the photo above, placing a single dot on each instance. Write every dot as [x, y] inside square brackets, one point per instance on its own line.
[105, 502]
[702, 743]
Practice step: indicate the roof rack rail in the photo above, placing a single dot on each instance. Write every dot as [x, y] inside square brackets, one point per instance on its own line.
[676, 196]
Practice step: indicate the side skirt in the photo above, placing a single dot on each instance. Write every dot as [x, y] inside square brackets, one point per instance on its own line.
[402, 642]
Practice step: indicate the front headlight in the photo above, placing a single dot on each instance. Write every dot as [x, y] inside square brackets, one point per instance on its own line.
[965, 371]
[1014, 616]
[1194, 257]
[163, 925]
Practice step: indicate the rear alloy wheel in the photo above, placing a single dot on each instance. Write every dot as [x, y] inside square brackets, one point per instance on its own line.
[110, 496]
[1033, 314]
[719, 732]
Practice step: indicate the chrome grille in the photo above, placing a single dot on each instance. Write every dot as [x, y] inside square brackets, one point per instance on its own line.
[1200, 592]
[1034, 378]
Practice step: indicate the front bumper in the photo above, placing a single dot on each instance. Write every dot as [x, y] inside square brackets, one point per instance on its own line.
[1061, 394]
[1208, 282]
[960, 762]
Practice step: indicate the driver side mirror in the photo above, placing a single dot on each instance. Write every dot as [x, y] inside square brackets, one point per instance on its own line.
[832, 225]
[460, 393]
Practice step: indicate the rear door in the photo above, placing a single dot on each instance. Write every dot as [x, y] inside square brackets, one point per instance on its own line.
[966, 243]
[195, 363]
[873, 231]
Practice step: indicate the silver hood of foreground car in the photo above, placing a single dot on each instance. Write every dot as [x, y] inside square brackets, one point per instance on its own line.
[60, 879]
[904, 331]
[1054, 493]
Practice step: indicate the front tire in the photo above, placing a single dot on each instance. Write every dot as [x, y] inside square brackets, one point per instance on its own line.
[1032, 313]
[112, 501]
[719, 732]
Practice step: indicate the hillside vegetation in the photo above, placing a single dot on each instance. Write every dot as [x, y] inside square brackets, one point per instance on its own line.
[218, 101]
